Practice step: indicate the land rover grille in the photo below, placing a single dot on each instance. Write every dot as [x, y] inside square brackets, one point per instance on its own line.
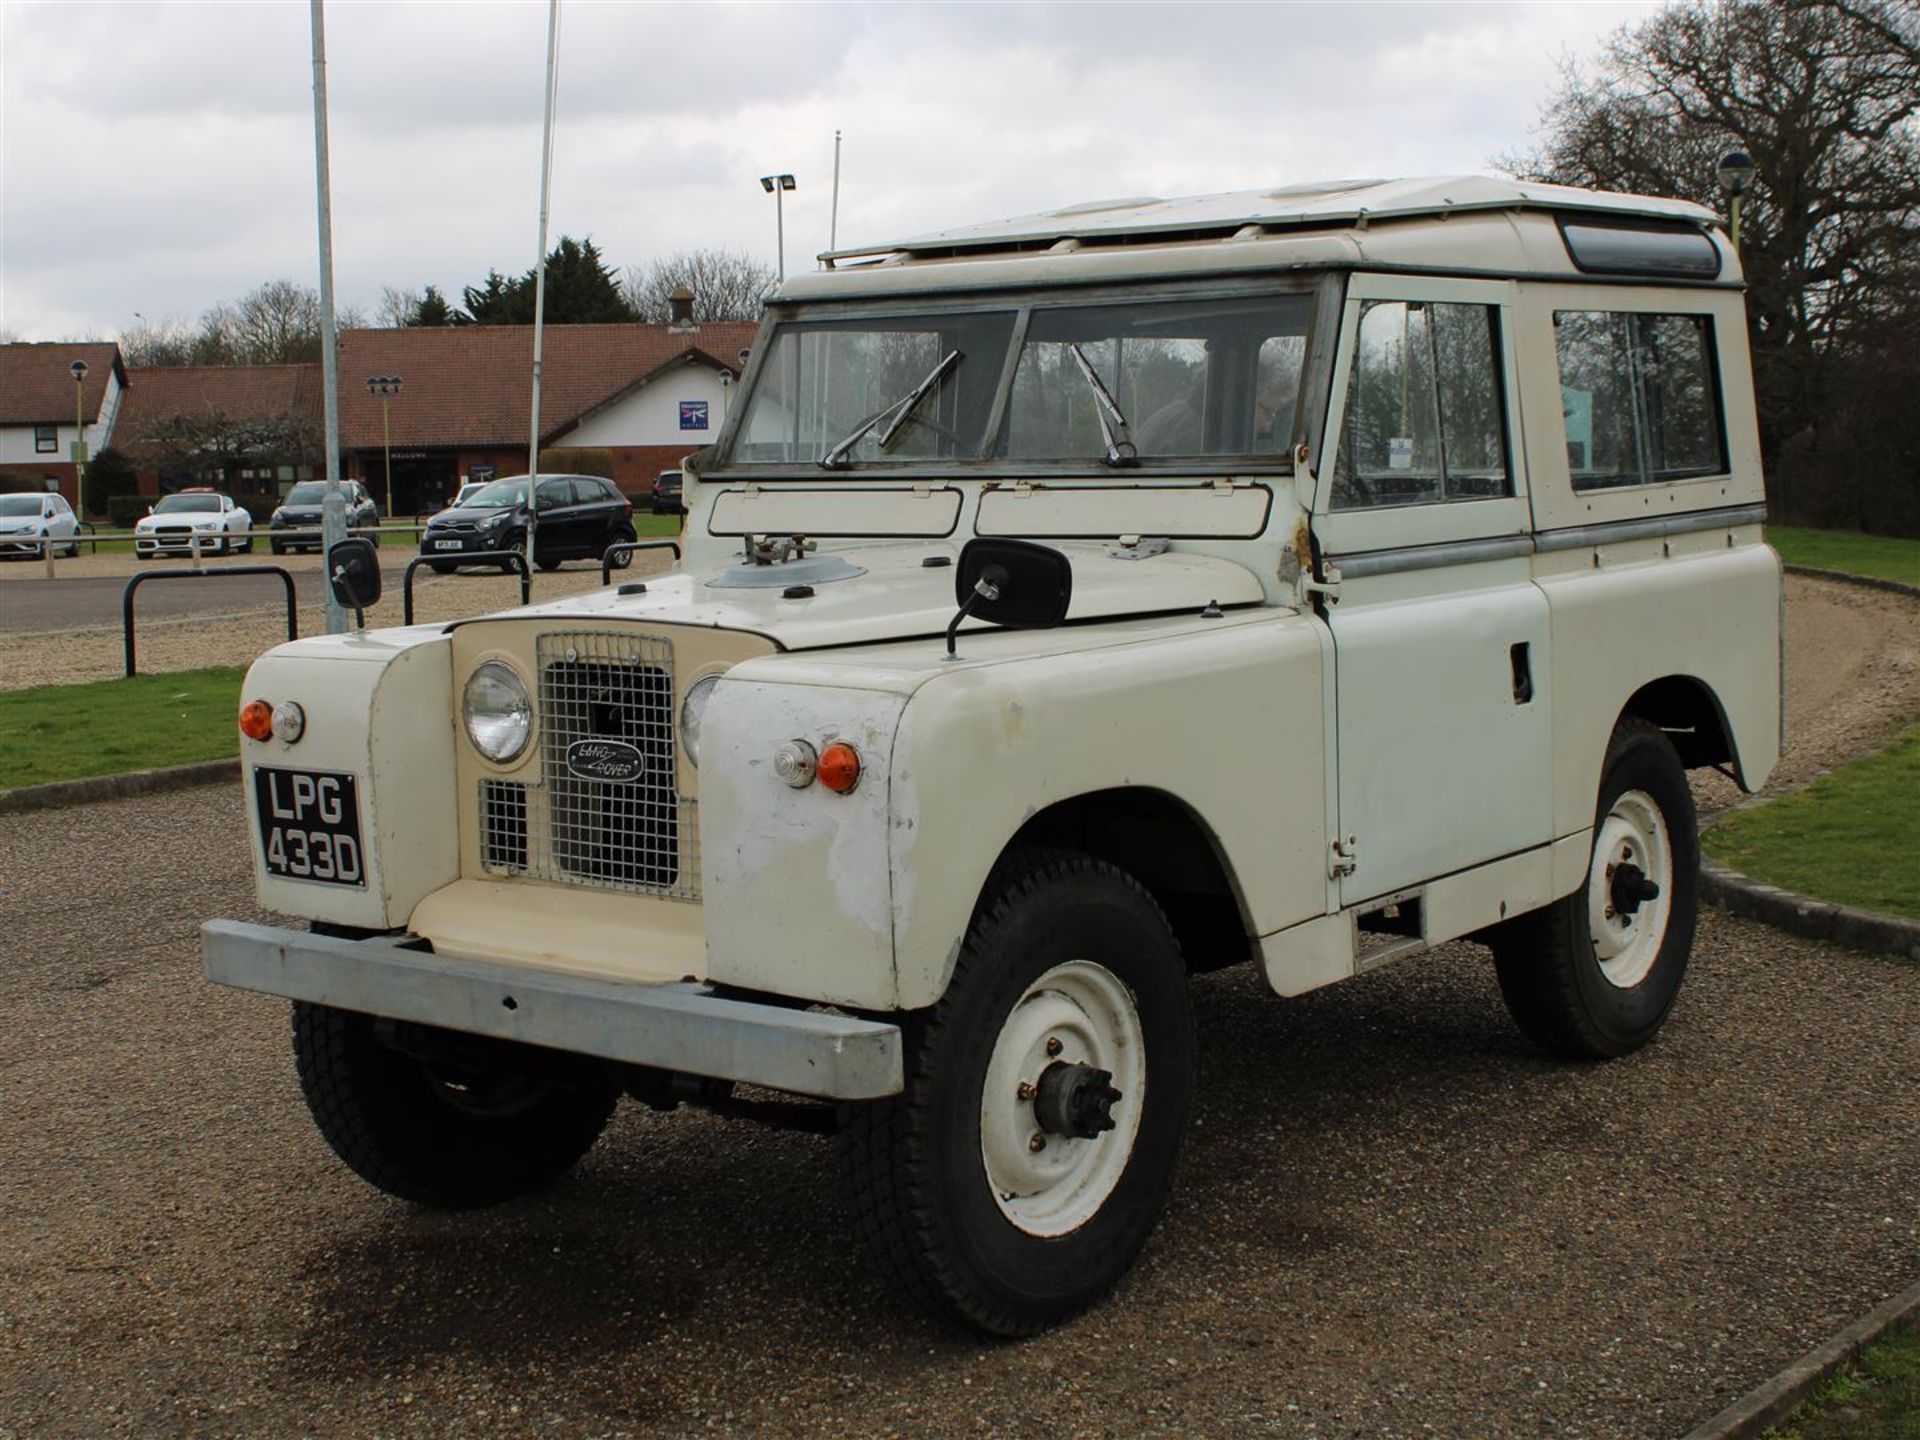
[606, 703]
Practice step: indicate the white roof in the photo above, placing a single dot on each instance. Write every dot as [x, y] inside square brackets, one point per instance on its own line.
[1319, 203]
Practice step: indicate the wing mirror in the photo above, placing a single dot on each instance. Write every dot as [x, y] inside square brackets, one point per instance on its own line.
[1013, 583]
[353, 569]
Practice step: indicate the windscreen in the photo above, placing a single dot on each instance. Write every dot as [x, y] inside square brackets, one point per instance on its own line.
[922, 387]
[499, 495]
[177, 504]
[19, 504]
[1170, 378]
[310, 492]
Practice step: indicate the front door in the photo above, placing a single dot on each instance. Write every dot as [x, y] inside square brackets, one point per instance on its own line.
[1440, 636]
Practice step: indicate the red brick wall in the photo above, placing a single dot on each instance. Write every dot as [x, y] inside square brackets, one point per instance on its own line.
[635, 466]
[34, 476]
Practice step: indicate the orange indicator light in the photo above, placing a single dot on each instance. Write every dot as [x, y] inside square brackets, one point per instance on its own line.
[256, 720]
[839, 767]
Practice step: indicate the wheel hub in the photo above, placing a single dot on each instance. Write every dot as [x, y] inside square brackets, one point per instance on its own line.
[1062, 1099]
[1075, 1100]
[1630, 888]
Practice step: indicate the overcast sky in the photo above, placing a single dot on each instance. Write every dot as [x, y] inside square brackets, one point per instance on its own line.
[156, 158]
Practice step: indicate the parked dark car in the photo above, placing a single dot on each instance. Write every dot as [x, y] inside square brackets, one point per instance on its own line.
[667, 499]
[579, 517]
[300, 512]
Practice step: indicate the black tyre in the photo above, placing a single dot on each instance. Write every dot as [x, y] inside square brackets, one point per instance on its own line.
[442, 567]
[436, 1133]
[988, 1190]
[1592, 976]
[547, 562]
[279, 546]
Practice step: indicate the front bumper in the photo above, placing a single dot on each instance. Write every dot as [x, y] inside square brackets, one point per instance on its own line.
[683, 1027]
[458, 542]
[174, 542]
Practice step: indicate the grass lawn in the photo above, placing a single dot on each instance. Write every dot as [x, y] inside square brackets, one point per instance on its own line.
[1875, 1398]
[64, 732]
[1878, 555]
[1851, 837]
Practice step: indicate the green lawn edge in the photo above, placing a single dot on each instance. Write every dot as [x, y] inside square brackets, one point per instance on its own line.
[1877, 1397]
[1850, 837]
[105, 727]
[1883, 557]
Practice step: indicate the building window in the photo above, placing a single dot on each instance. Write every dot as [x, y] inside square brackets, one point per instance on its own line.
[45, 440]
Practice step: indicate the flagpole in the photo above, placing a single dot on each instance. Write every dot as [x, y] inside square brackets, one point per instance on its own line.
[540, 274]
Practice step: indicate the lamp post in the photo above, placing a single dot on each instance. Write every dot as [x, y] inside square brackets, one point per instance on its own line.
[777, 186]
[386, 387]
[1735, 173]
[78, 369]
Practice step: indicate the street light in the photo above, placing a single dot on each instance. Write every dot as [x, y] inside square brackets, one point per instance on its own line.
[1735, 172]
[777, 186]
[78, 369]
[386, 387]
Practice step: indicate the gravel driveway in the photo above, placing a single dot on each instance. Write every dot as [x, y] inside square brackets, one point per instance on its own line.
[1392, 1218]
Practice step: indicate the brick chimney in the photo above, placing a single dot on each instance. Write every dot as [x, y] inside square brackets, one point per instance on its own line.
[680, 319]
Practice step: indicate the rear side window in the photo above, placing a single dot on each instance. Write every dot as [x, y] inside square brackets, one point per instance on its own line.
[1640, 394]
[1425, 419]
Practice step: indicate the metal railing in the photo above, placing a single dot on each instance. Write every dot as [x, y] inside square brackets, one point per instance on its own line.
[626, 548]
[516, 558]
[141, 577]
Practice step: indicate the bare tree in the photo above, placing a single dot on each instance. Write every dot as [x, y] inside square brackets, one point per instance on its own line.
[210, 439]
[1823, 94]
[396, 307]
[726, 285]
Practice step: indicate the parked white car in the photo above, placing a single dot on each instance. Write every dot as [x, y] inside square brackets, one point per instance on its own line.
[29, 521]
[171, 527]
[1300, 579]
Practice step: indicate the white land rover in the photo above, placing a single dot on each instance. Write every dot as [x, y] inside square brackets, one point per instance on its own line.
[1071, 604]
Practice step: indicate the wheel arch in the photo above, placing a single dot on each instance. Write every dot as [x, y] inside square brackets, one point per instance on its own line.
[1692, 716]
[1162, 842]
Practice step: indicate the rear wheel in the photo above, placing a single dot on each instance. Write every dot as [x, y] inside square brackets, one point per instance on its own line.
[434, 1131]
[1593, 975]
[1015, 1178]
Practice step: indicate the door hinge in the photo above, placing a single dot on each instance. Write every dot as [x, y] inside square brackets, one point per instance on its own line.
[1329, 587]
[1345, 858]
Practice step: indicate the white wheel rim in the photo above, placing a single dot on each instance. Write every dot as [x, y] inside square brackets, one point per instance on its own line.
[1076, 1013]
[1627, 944]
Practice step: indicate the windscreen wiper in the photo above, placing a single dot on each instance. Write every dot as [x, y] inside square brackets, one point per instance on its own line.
[1113, 422]
[894, 416]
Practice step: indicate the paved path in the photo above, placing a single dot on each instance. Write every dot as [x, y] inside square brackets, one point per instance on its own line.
[1392, 1218]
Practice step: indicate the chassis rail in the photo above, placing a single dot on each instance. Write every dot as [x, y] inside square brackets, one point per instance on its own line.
[683, 1027]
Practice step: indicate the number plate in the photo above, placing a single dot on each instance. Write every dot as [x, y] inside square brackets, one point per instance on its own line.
[449, 544]
[310, 825]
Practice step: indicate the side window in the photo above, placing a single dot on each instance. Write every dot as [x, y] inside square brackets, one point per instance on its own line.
[1426, 415]
[1640, 395]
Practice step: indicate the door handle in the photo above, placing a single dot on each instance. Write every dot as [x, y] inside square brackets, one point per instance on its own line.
[1521, 658]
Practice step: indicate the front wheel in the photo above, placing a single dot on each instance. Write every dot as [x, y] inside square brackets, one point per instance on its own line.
[1593, 975]
[436, 1131]
[1015, 1178]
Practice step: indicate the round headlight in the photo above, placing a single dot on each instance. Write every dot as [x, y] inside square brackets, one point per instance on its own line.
[692, 710]
[497, 712]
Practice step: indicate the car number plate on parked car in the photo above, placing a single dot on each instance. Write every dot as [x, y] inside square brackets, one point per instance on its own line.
[448, 544]
[310, 825]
